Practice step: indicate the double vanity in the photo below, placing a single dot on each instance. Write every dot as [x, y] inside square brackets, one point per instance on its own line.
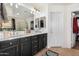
[26, 45]
[23, 31]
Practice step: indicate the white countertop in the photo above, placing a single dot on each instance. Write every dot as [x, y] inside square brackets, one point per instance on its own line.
[2, 38]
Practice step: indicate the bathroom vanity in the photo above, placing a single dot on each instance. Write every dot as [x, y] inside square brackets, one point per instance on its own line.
[27, 45]
[22, 33]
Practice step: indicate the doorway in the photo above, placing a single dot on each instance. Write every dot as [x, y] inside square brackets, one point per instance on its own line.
[75, 27]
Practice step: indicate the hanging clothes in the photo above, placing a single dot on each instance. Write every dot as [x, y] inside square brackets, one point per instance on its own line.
[75, 25]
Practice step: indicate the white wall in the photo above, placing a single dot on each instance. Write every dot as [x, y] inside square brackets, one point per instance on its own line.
[67, 9]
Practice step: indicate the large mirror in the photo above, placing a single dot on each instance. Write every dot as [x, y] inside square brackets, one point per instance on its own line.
[19, 20]
[18, 17]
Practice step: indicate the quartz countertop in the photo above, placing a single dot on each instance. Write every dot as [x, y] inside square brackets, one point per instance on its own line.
[2, 38]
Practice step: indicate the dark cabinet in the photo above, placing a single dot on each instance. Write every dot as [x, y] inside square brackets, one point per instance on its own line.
[45, 40]
[38, 43]
[26, 47]
[35, 44]
[9, 51]
[42, 41]
[9, 48]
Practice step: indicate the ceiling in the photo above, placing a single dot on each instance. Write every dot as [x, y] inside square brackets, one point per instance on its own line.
[20, 11]
[24, 9]
[39, 6]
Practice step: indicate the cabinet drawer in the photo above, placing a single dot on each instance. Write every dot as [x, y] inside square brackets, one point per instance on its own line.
[35, 46]
[9, 51]
[34, 37]
[8, 43]
[24, 39]
[41, 36]
[34, 41]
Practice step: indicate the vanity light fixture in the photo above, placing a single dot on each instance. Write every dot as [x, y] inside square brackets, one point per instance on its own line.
[35, 11]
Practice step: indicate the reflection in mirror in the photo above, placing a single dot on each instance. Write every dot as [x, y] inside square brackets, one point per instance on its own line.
[42, 22]
[37, 23]
[21, 14]
[17, 19]
[32, 25]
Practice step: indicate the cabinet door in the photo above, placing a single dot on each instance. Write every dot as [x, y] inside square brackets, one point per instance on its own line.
[41, 42]
[45, 40]
[35, 44]
[9, 51]
[26, 48]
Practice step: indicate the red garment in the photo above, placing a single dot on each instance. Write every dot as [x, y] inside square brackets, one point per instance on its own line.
[75, 25]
